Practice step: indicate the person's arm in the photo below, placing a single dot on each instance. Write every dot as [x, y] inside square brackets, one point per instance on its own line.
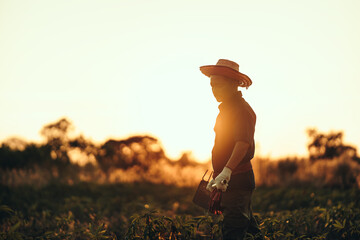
[238, 154]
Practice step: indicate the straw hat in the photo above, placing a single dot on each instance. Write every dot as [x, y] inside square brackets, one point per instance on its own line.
[228, 69]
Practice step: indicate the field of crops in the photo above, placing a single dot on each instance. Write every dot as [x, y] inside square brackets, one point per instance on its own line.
[153, 211]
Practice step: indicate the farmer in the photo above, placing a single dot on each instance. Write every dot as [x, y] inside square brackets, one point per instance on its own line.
[233, 149]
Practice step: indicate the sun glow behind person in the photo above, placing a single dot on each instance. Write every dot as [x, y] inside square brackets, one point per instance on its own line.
[120, 68]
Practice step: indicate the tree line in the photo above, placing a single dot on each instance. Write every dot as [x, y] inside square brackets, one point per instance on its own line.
[54, 152]
[140, 151]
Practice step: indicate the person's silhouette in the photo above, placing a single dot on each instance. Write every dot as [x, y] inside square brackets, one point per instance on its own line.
[233, 149]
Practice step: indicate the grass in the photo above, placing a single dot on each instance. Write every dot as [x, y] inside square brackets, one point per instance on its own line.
[157, 211]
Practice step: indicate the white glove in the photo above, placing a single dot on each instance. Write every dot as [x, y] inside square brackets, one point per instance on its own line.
[222, 180]
[210, 186]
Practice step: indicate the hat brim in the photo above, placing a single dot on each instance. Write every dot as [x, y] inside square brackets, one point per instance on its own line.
[208, 70]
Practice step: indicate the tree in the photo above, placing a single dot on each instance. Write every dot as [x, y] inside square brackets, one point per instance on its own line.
[56, 135]
[137, 150]
[27, 157]
[328, 146]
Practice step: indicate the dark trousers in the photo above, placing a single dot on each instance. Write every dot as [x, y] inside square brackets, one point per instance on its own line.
[238, 217]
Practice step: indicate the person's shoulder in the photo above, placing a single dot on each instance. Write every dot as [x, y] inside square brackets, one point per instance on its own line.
[241, 103]
[244, 108]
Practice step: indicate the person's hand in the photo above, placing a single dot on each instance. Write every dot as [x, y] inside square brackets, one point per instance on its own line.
[222, 180]
[210, 186]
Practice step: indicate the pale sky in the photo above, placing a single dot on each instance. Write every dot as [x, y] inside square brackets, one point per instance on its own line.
[119, 68]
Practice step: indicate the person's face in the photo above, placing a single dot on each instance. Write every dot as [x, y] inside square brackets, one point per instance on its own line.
[222, 87]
